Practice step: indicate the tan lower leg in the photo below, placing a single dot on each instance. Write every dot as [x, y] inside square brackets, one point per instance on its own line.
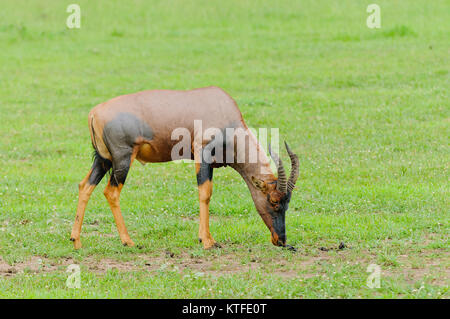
[112, 194]
[85, 191]
[205, 192]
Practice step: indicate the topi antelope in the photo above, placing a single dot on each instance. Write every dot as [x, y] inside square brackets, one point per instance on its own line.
[139, 126]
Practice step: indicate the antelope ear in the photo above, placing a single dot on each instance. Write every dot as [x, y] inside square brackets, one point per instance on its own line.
[259, 184]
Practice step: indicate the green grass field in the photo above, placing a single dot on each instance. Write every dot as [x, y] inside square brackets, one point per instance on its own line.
[367, 111]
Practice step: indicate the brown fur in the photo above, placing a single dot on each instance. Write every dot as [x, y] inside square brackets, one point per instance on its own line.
[163, 111]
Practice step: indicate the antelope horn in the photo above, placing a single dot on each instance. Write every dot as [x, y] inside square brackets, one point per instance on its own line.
[294, 169]
[281, 183]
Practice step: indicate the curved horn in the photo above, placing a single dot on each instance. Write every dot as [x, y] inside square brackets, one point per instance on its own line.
[282, 182]
[294, 169]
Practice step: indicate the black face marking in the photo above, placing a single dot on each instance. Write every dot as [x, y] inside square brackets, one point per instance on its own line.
[282, 206]
[279, 226]
[279, 216]
[99, 168]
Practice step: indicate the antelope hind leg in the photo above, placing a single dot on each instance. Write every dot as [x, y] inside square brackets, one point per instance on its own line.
[86, 187]
[112, 191]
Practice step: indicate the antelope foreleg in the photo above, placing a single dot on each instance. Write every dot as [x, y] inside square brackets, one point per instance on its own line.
[205, 186]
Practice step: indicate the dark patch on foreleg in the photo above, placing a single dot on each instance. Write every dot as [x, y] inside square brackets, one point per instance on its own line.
[204, 173]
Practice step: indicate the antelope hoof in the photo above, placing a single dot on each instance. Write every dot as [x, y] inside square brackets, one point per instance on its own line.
[128, 243]
[210, 243]
[76, 243]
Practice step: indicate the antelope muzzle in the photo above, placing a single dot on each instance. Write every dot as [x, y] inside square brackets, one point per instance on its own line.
[279, 230]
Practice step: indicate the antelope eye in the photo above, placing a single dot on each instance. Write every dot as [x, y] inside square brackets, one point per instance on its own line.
[273, 202]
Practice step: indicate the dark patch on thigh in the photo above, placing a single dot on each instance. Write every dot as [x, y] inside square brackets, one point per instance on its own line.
[119, 175]
[120, 136]
[121, 165]
[123, 131]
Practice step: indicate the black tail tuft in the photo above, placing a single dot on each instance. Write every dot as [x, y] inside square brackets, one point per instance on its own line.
[95, 154]
[105, 163]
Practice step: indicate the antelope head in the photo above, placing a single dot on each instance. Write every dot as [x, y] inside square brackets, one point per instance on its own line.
[277, 197]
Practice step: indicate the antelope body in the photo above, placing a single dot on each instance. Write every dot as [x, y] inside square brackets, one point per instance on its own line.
[140, 126]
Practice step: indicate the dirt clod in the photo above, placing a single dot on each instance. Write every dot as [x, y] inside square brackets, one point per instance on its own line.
[169, 254]
[291, 248]
[341, 246]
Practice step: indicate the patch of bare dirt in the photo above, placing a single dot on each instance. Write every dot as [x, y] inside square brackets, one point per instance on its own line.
[37, 264]
[297, 265]
[216, 266]
[429, 268]
[33, 265]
